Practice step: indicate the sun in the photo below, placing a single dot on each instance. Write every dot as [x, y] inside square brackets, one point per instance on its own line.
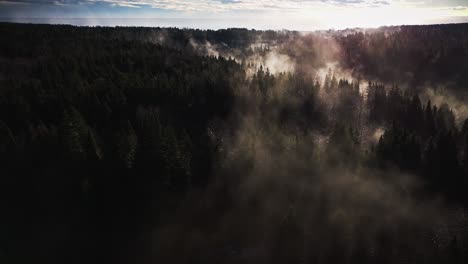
[341, 17]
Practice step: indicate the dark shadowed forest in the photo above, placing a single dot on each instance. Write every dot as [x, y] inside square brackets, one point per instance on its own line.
[166, 145]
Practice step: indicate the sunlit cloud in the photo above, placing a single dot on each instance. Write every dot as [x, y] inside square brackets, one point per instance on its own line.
[296, 14]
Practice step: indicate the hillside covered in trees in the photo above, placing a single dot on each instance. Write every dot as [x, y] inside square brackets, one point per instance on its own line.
[147, 145]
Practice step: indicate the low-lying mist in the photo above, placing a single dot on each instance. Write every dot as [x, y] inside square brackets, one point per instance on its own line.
[298, 181]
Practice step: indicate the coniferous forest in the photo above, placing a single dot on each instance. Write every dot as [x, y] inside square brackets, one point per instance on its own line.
[166, 145]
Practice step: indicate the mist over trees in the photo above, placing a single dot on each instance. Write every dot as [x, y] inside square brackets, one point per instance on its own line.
[145, 145]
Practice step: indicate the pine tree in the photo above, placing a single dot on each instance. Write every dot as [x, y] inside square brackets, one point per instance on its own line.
[74, 133]
[126, 145]
[7, 139]
[429, 125]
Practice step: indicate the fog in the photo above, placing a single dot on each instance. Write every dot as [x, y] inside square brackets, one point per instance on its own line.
[289, 193]
[147, 145]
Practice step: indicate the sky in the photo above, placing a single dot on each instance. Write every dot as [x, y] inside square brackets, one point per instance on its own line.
[258, 14]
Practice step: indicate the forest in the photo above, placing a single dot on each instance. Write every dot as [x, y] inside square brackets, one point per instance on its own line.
[167, 145]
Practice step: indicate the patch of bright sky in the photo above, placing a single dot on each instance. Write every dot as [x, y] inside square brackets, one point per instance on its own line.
[260, 14]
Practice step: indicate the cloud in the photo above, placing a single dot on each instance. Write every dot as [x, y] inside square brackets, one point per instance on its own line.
[212, 5]
[259, 14]
[225, 5]
[459, 8]
[11, 3]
